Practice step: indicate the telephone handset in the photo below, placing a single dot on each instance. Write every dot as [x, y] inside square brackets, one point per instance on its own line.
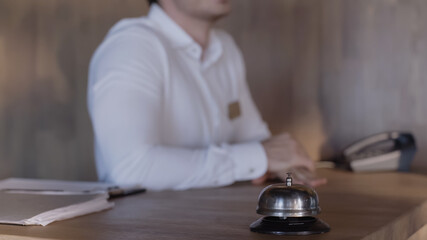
[388, 151]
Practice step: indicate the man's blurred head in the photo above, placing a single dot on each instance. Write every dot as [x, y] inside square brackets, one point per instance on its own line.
[210, 10]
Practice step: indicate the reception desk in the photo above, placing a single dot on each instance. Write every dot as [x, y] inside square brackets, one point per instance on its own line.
[356, 206]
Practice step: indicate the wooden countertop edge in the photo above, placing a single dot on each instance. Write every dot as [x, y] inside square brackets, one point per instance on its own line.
[403, 227]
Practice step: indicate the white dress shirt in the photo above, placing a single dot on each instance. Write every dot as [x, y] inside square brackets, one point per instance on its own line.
[161, 113]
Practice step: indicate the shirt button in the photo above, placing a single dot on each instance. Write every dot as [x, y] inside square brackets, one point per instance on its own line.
[251, 170]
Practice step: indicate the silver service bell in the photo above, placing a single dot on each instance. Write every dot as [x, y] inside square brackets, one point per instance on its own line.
[289, 209]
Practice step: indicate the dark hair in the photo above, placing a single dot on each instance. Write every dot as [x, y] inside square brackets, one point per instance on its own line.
[150, 2]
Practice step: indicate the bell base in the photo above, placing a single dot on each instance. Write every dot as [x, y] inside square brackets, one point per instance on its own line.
[290, 226]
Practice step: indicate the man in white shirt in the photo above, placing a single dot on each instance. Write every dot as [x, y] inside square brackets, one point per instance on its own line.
[171, 108]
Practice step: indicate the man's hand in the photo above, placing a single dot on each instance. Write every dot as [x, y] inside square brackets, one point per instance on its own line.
[285, 154]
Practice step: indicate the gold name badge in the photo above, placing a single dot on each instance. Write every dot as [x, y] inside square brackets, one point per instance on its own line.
[234, 110]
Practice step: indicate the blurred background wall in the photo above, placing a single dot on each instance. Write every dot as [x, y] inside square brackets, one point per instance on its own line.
[328, 71]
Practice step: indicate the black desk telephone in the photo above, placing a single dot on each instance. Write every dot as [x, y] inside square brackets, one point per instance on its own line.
[388, 151]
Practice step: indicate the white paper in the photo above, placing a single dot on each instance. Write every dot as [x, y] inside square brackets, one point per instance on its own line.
[33, 209]
[53, 186]
[40, 202]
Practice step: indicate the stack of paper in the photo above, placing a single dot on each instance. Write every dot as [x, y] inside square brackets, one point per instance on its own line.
[41, 186]
[40, 202]
[35, 209]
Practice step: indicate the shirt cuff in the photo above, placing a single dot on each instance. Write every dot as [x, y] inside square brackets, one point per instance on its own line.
[249, 159]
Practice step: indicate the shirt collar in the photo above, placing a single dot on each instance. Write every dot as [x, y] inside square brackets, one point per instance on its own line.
[214, 50]
[181, 39]
[171, 30]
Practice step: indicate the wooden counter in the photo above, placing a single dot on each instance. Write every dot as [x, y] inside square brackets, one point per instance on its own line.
[356, 206]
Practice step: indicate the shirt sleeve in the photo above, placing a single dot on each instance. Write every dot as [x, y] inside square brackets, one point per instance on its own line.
[125, 104]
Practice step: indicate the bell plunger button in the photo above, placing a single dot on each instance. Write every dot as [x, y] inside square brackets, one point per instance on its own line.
[289, 179]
